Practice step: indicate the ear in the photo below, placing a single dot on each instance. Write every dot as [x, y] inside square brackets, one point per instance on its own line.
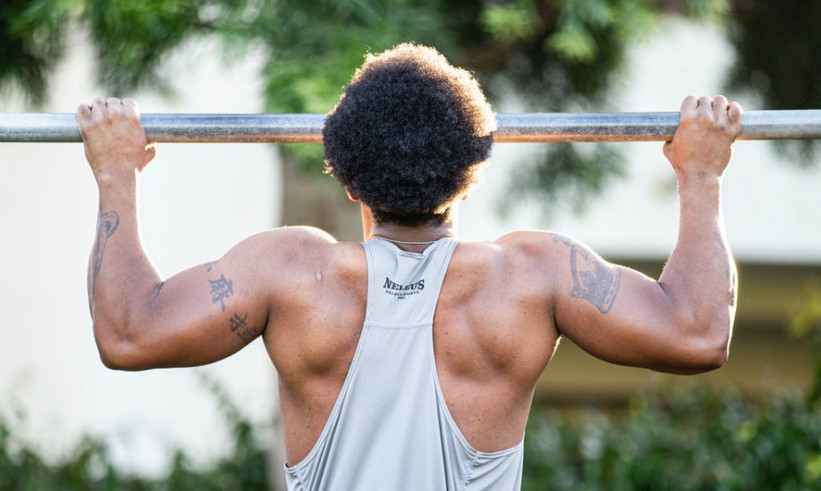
[350, 195]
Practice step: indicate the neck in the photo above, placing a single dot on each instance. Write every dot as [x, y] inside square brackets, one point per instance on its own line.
[406, 237]
[423, 235]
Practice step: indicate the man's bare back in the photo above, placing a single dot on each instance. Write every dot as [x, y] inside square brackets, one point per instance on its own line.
[494, 331]
[493, 334]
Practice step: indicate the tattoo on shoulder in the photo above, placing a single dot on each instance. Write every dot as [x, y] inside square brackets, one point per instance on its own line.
[240, 327]
[594, 279]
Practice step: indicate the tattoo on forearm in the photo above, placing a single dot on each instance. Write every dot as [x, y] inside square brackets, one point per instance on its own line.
[209, 266]
[593, 279]
[107, 224]
[240, 327]
[221, 289]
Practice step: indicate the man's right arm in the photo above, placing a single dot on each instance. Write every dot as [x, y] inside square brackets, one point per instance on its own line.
[197, 316]
[683, 322]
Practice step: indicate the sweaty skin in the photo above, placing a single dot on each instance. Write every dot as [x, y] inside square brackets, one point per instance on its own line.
[503, 308]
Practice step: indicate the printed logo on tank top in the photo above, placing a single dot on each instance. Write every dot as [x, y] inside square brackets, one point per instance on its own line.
[402, 292]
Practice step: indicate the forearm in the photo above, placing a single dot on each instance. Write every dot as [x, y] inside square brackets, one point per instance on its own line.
[121, 278]
[700, 276]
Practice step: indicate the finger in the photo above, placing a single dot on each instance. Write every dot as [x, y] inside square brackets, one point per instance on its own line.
[83, 118]
[689, 103]
[131, 108]
[83, 111]
[131, 103]
[734, 113]
[705, 104]
[720, 106]
[688, 108]
[98, 109]
[115, 106]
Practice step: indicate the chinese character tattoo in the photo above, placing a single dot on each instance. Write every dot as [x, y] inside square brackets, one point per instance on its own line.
[221, 289]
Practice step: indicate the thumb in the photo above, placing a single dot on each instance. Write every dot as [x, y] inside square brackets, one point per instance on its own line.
[150, 153]
[668, 150]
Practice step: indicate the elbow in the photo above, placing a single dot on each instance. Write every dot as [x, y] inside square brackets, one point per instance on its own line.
[699, 361]
[117, 352]
[703, 345]
[717, 333]
[115, 358]
[121, 359]
[112, 359]
[708, 349]
[713, 358]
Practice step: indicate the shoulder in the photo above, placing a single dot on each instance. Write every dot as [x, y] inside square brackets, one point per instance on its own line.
[526, 258]
[284, 241]
[524, 248]
[536, 245]
[552, 256]
[292, 236]
[292, 248]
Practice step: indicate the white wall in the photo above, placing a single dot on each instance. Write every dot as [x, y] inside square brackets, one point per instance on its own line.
[195, 202]
[773, 209]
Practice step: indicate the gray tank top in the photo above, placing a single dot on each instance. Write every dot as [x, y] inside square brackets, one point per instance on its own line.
[390, 428]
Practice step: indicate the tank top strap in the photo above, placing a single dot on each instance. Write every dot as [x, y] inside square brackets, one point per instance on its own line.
[403, 287]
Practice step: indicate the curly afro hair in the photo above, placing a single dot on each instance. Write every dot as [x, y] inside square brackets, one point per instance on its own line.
[408, 135]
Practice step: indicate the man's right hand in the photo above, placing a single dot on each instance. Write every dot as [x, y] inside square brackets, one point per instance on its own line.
[703, 141]
[115, 142]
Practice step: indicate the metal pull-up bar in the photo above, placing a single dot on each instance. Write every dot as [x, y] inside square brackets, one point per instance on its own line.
[307, 128]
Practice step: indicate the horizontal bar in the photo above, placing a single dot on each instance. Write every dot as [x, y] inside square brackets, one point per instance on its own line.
[307, 128]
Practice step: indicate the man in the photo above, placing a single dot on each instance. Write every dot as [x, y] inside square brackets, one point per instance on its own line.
[409, 361]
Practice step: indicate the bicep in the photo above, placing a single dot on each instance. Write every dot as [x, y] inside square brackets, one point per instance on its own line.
[206, 313]
[198, 316]
[613, 312]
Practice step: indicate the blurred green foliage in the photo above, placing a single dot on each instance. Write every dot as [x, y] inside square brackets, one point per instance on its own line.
[689, 437]
[555, 55]
[694, 438]
[90, 466]
[806, 324]
[778, 48]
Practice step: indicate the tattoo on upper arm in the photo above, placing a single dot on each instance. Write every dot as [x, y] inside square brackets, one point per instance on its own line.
[594, 279]
[240, 327]
[221, 289]
[107, 223]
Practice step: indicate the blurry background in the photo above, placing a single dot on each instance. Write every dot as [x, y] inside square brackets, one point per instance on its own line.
[197, 200]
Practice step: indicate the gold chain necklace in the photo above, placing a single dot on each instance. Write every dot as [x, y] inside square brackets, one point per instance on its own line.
[408, 242]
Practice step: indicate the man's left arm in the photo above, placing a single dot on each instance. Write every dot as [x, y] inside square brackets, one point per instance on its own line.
[141, 321]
